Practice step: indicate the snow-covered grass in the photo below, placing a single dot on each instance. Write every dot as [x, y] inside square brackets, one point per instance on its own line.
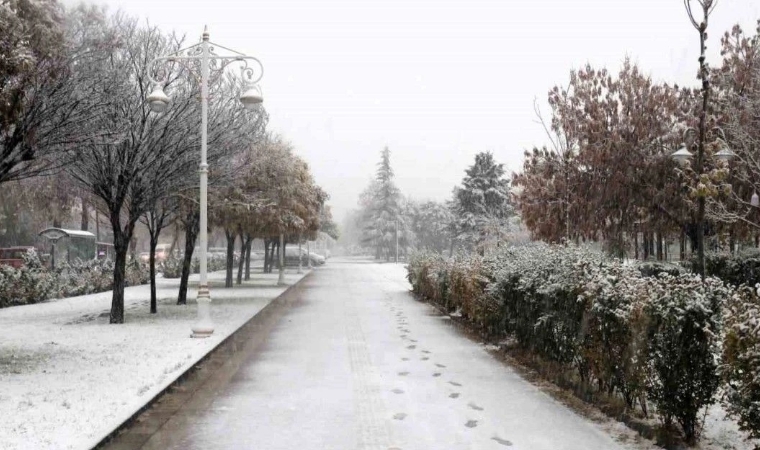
[69, 378]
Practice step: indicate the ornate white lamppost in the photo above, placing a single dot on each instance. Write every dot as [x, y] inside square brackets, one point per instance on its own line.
[205, 54]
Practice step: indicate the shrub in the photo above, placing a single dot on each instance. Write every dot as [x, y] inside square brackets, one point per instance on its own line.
[33, 283]
[637, 332]
[741, 359]
[172, 267]
[684, 340]
[736, 269]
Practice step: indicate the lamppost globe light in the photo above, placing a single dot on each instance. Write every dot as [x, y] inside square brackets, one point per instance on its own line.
[755, 200]
[725, 154]
[252, 97]
[158, 100]
[681, 156]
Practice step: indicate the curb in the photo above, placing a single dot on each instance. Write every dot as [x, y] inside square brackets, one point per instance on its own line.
[201, 372]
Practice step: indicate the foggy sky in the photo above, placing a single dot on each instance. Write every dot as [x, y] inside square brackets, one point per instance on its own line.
[437, 81]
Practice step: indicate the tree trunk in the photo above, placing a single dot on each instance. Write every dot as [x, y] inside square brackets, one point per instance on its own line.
[281, 278]
[249, 244]
[153, 245]
[682, 249]
[645, 249]
[119, 273]
[121, 238]
[230, 257]
[636, 245]
[191, 234]
[241, 261]
[659, 247]
[274, 248]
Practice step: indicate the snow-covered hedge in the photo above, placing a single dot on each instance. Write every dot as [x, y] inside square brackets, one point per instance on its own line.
[33, 283]
[172, 267]
[737, 269]
[640, 334]
[741, 358]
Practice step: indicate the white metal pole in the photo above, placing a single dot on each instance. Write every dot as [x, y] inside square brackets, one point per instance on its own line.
[204, 327]
[308, 253]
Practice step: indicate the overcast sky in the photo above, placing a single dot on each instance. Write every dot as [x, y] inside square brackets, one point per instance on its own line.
[437, 81]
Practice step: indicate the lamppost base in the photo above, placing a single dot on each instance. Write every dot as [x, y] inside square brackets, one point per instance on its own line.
[204, 327]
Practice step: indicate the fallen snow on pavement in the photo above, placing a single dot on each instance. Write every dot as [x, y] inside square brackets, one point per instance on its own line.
[69, 378]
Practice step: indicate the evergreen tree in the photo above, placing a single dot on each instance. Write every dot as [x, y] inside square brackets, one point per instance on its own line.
[481, 205]
[382, 218]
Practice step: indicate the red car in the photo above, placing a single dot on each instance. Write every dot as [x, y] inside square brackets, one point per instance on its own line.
[13, 256]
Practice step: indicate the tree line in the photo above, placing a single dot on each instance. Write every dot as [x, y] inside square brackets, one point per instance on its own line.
[478, 216]
[76, 131]
[608, 174]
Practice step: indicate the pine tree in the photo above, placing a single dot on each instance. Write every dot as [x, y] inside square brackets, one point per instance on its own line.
[383, 219]
[482, 205]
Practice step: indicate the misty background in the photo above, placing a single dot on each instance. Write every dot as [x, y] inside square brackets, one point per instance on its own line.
[435, 81]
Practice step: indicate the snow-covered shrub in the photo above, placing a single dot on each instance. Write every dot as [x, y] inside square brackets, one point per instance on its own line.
[736, 269]
[136, 273]
[172, 267]
[33, 283]
[464, 284]
[539, 288]
[615, 351]
[635, 332]
[425, 272]
[684, 346]
[30, 283]
[741, 359]
[652, 268]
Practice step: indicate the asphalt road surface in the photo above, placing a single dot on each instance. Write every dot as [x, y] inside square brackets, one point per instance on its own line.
[358, 363]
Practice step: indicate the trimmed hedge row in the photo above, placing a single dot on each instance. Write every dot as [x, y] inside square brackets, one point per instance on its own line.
[33, 283]
[647, 334]
[172, 267]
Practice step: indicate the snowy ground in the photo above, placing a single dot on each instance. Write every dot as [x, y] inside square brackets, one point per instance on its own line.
[68, 378]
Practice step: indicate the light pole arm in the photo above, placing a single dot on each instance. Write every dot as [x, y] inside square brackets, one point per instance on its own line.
[251, 73]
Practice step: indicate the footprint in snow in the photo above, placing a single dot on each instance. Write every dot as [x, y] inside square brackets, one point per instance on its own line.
[412, 347]
[437, 374]
[475, 407]
[403, 374]
[454, 395]
[398, 391]
[399, 416]
[471, 424]
[441, 366]
[454, 383]
[502, 441]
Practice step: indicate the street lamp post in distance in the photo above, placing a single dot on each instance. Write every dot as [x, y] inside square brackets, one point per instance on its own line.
[205, 53]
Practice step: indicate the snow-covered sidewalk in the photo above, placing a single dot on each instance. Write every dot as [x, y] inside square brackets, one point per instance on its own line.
[68, 378]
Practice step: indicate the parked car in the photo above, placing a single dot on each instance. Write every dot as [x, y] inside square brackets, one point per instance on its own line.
[291, 257]
[162, 253]
[13, 256]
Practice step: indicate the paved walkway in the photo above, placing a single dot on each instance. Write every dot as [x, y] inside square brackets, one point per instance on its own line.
[359, 364]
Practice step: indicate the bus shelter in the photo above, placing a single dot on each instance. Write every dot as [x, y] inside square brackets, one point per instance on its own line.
[70, 245]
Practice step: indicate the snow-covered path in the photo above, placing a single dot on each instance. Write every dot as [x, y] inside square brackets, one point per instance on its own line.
[359, 364]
